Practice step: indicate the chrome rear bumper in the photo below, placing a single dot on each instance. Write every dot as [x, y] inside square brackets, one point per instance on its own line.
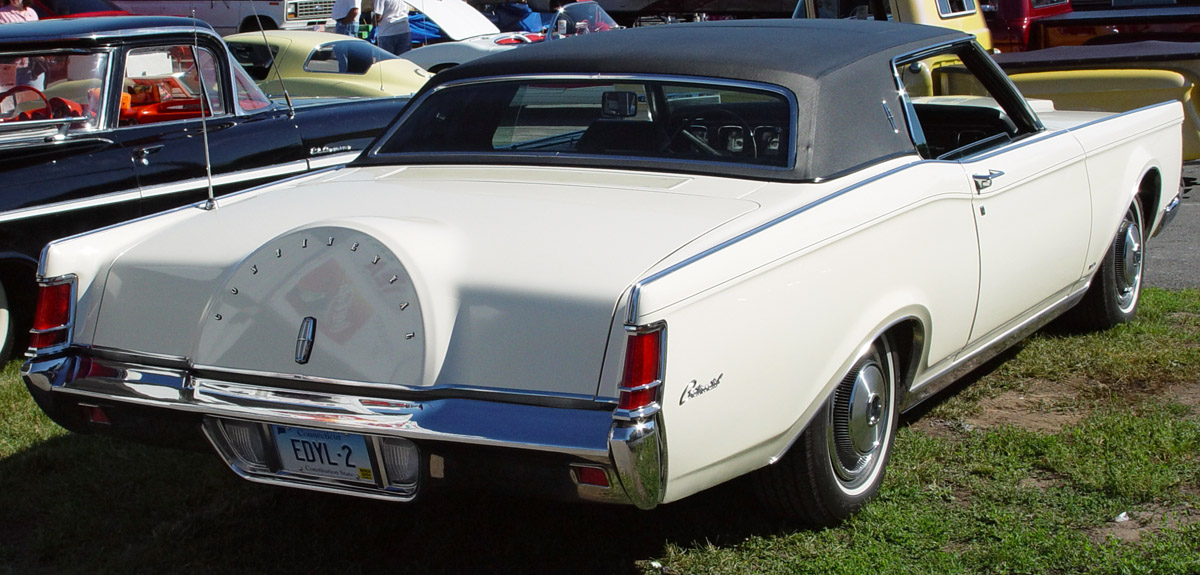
[629, 452]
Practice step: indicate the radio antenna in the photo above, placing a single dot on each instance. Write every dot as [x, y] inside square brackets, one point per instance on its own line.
[205, 106]
[271, 54]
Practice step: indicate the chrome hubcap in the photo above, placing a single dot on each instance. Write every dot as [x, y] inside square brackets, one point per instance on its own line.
[1128, 261]
[860, 415]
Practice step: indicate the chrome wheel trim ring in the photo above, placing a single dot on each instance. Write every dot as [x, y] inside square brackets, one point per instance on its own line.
[860, 418]
[1128, 261]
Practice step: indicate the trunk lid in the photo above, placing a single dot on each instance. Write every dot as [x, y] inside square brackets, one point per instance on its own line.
[449, 277]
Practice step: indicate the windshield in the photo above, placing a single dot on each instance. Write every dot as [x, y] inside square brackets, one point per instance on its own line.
[629, 118]
[581, 18]
[52, 85]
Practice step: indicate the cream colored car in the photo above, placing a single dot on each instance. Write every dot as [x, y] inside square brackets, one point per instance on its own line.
[320, 64]
[623, 267]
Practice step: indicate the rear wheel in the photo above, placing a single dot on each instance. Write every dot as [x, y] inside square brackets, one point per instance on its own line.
[837, 464]
[7, 327]
[1113, 296]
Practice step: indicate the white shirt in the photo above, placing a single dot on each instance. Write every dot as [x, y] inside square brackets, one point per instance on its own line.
[342, 7]
[393, 17]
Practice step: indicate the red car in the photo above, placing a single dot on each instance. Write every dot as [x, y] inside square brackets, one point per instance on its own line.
[47, 9]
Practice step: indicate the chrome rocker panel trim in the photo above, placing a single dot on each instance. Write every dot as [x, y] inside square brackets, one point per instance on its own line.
[587, 434]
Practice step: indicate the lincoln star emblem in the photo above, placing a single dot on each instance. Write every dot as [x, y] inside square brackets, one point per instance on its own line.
[304, 339]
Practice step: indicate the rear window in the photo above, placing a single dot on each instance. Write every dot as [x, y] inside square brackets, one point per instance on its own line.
[345, 57]
[627, 118]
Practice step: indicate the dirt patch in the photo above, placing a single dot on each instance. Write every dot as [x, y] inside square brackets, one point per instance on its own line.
[1047, 406]
[940, 428]
[1131, 526]
[1184, 393]
[1039, 405]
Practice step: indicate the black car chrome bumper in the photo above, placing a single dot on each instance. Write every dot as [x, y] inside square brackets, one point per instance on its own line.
[524, 442]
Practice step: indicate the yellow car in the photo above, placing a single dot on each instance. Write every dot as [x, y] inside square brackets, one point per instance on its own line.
[320, 64]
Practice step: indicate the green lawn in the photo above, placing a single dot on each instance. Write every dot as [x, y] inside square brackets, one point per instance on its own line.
[1024, 470]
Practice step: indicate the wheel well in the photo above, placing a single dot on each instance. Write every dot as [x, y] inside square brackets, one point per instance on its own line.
[254, 23]
[1149, 195]
[907, 338]
[21, 289]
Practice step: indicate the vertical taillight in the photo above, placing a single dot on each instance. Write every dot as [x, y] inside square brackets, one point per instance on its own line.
[643, 368]
[52, 320]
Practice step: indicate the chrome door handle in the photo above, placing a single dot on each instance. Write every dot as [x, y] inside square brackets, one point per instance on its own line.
[984, 181]
[143, 153]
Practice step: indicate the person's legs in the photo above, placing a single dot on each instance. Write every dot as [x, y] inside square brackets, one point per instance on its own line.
[396, 43]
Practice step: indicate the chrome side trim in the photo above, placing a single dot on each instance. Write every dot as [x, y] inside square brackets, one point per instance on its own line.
[636, 289]
[225, 179]
[332, 160]
[70, 205]
[937, 380]
[152, 191]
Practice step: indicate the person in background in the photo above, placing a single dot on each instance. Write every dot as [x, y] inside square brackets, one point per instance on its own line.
[16, 11]
[345, 14]
[391, 20]
[24, 71]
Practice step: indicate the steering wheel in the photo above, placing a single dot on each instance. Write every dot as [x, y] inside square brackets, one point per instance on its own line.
[681, 135]
[23, 88]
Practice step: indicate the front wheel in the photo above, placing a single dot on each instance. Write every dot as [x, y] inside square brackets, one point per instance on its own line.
[1117, 286]
[837, 464]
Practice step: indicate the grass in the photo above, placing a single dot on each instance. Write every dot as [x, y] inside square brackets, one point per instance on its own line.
[966, 492]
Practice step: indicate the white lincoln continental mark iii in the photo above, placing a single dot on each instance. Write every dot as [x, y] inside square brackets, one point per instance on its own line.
[624, 267]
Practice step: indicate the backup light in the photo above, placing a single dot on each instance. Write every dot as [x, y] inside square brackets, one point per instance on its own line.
[402, 461]
[246, 440]
[52, 320]
[643, 368]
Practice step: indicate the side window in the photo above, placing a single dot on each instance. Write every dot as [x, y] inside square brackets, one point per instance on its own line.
[959, 105]
[948, 8]
[168, 83]
[248, 95]
[53, 86]
[854, 9]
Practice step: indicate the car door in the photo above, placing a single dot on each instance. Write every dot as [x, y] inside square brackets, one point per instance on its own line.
[1032, 205]
[174, 149]
[1033, 217]
[64, 174]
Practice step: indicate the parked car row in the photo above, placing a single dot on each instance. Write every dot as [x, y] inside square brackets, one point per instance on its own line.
[622, 268]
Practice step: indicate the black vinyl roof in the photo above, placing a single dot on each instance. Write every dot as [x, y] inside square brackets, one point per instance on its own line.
[774, 51]
[91, 31]
[839, 70]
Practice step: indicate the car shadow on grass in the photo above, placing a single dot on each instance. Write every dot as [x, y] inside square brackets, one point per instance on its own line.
[90, 504]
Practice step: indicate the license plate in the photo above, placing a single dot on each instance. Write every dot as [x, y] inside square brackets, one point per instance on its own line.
[324, 453]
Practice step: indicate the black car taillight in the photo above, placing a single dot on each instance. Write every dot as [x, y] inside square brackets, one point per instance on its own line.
[52, 320]
[643, 368]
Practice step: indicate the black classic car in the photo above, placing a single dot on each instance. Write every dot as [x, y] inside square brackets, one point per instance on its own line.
[100, 122]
